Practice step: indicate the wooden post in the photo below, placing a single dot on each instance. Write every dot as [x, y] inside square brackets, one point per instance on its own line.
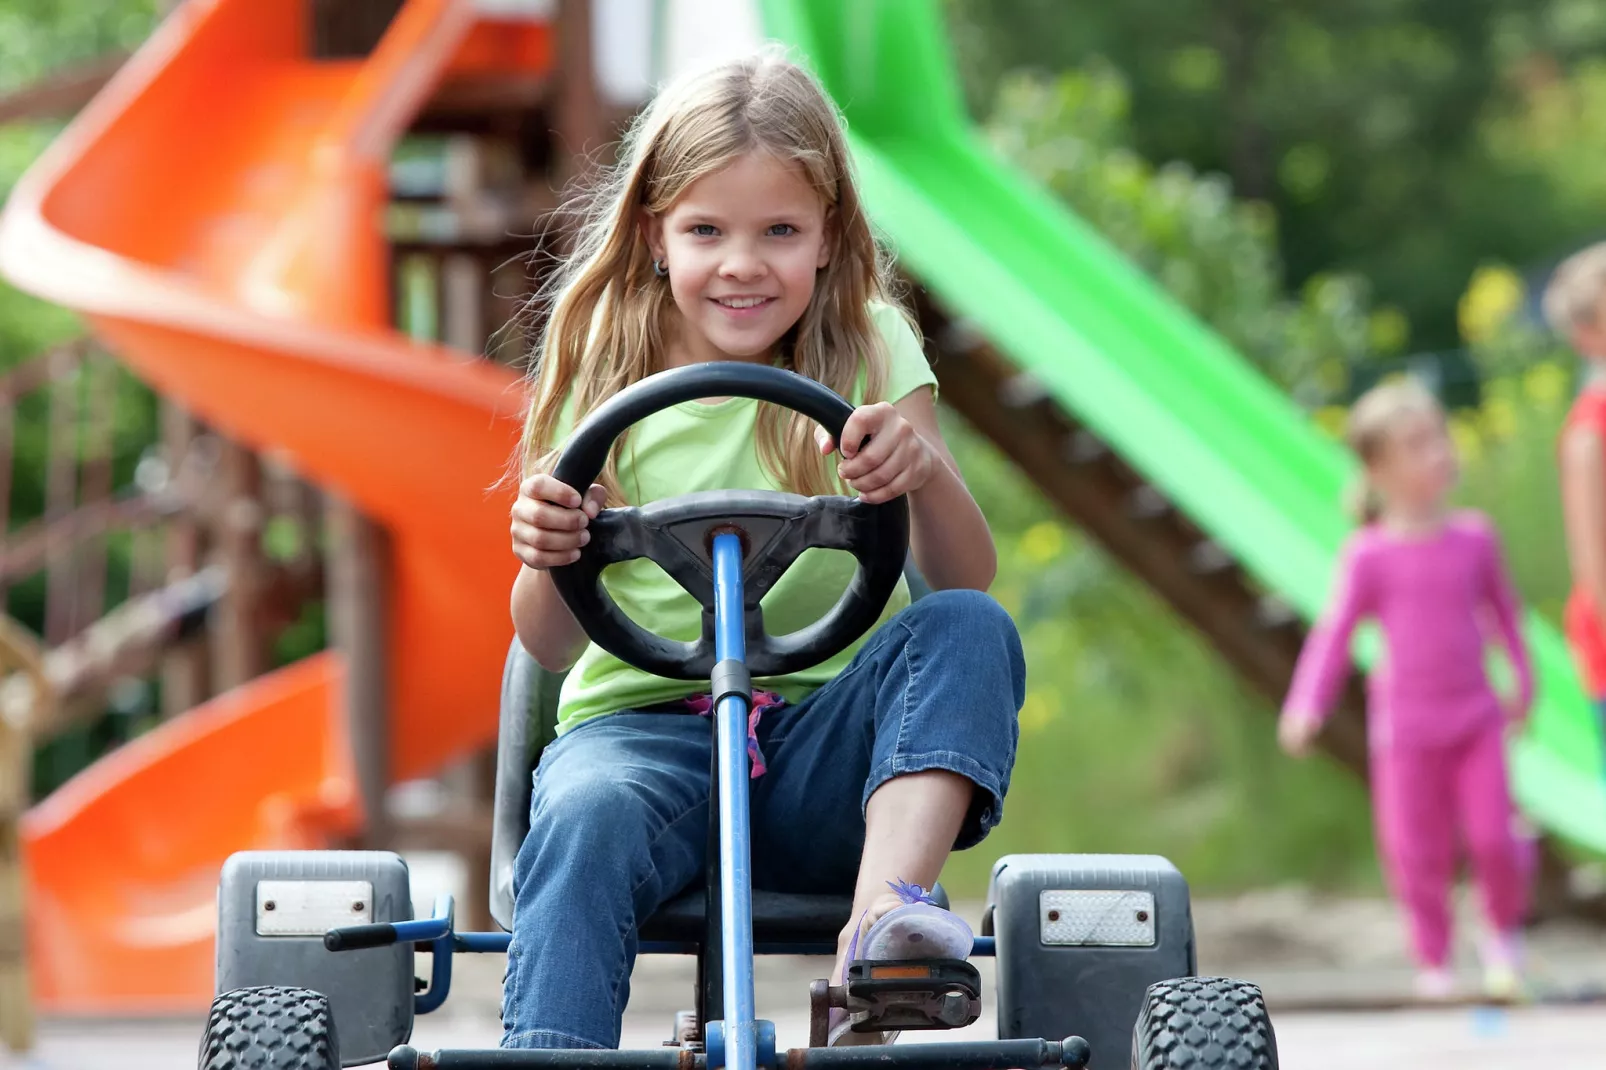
[185, 673]
[8, 446]
[359, 560]
[16, 1013]
[95, 488]
[19, 652]
[240, 646]
[579, 111]
[61, 489]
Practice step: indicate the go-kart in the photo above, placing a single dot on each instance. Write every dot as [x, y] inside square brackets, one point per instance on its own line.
[1094, 954]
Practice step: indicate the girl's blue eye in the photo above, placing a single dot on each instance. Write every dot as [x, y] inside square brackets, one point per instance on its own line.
[703, 230]
[782, 230]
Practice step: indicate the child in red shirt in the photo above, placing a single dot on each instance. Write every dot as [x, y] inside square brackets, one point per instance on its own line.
[1575, 305]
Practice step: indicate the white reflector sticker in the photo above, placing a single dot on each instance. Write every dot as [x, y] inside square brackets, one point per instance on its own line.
[312, 908]
[1096, 918]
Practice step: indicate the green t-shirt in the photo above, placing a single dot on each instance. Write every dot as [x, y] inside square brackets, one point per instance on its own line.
[696, 447]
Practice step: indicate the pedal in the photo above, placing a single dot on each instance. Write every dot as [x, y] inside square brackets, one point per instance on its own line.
[685, 1030]
[915, 994]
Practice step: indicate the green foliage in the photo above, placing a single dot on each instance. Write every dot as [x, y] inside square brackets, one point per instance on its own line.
[1216, 255]
[41, 36]
[1397, 139]
[36, 37]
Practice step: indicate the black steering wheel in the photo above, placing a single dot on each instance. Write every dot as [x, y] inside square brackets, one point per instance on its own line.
[678, 533]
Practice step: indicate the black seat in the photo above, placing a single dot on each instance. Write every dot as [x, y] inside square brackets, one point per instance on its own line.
[778, 918]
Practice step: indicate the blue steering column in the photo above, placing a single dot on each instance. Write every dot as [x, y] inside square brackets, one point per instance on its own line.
[740, 1027]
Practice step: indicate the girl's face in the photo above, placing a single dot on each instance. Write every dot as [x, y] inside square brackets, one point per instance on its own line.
[742, 246]
[1416, 467]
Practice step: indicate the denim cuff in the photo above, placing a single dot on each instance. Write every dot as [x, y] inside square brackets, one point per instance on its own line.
[985, 812]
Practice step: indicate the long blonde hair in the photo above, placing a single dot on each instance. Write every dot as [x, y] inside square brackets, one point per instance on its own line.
[610, 314]
[1372, 420]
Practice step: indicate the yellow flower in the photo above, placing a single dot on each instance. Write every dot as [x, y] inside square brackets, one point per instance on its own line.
[1331, 419]
[1043, 542]
[1494, 293]
[1499, 418]
[1037, 711]
[1332, 375]
[1545, 383]
[1468, 443]
[1388, 330]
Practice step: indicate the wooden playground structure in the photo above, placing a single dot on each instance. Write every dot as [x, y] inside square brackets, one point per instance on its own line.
[204, 602]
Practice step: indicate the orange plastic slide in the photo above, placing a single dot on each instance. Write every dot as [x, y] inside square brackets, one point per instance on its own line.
[214, 215]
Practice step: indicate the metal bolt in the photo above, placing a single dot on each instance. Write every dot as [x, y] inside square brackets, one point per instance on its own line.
[1053, 915]
[270, 905]
[357, 907]
[1143, 915]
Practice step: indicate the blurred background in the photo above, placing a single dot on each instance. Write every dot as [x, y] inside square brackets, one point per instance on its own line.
[1341, 190]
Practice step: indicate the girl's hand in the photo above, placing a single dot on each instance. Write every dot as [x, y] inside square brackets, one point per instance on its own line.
[1295, 735]
[895, 460]
[549, 521]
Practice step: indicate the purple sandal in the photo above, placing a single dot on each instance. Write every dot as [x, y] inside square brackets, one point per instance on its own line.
[918, 929]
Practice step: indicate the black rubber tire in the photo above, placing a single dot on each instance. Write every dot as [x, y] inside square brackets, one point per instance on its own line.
[1201, 1023]
[270, 1028]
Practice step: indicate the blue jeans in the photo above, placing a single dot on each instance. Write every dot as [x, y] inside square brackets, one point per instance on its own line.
[619, 816]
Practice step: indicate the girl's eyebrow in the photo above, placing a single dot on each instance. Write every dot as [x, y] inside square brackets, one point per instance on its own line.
[705, 211]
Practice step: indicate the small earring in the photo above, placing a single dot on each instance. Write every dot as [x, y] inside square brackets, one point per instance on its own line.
[660, 268]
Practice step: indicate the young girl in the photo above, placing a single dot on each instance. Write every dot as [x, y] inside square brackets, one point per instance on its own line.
[732, 230]
[1435, 582]
[1574, 306]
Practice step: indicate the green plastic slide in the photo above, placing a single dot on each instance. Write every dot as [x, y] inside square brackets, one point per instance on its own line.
[1178, 403]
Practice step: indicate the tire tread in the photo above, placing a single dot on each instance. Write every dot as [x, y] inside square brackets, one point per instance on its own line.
[270, 1028]
[1204, 1023]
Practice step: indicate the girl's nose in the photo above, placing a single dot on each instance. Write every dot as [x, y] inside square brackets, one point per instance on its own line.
[742, 264]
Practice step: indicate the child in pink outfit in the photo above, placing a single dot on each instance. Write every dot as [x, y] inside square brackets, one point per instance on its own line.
[1435, 584]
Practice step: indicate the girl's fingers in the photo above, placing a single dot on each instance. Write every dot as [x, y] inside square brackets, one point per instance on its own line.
[900, 484]
[897, 476]
[867, 421]
[548, 489]
[549, 521]
[552, 518]
[549, 540]
[886, 444]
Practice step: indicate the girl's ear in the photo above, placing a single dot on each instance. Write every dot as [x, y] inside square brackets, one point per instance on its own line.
[828, 236]
[652, 232]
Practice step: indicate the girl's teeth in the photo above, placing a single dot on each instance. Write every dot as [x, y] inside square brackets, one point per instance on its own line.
[743, 302]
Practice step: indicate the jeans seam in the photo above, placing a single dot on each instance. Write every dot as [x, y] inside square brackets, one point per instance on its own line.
[570, 1041]
[950, 761]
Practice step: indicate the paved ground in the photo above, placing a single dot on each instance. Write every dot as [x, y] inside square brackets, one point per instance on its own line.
[1303, 951]
[1535, 1039]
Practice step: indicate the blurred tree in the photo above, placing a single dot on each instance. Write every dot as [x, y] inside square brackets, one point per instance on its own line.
[38, 37]
[1216, 255]
[1366, 123]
